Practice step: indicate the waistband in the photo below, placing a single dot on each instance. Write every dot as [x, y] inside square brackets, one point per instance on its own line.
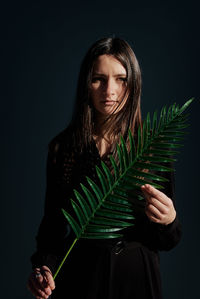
[110, 243]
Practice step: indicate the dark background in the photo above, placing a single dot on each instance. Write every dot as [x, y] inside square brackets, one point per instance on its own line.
[42, 45]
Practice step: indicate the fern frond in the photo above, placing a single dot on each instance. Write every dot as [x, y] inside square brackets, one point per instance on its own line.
[106, 209]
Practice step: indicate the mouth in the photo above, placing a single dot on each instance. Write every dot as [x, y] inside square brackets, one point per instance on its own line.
[109, 103]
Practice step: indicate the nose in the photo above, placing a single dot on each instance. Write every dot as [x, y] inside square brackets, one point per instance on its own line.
[109, 88]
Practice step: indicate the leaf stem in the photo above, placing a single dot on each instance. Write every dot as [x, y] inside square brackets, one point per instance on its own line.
[61, 264]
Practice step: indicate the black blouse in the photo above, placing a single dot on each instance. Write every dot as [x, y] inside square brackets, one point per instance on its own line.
[121, 268]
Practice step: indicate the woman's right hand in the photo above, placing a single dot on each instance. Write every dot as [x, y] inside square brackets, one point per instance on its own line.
[41, 282]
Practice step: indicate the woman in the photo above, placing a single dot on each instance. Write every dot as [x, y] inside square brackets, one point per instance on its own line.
[107, 105]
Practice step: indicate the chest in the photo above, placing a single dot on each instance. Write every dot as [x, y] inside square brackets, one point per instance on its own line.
[73, 168]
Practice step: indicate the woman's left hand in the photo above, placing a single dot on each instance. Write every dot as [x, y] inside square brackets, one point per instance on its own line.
[159, 207]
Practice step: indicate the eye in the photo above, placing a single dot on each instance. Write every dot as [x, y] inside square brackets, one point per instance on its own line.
[123, 79]
[95, 79]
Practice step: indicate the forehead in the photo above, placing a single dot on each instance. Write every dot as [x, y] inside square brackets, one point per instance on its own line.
[106, 64]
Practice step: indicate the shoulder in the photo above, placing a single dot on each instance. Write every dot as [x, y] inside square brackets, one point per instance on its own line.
[61, 141]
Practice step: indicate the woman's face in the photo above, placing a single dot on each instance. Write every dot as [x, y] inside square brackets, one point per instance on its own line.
[109, 81]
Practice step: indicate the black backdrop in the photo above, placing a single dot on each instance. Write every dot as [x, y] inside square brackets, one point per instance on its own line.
[42, 45]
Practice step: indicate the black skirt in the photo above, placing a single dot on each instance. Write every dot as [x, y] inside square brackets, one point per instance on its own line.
[114, 269]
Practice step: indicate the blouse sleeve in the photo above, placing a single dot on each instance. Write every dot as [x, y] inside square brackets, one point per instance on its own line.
[54, 229]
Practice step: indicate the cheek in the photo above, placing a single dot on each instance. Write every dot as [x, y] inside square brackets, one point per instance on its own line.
[122, 95]
[94, 98]
[94, 92]
[121, 89]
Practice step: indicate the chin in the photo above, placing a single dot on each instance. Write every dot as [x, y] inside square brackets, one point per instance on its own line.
[107, 113]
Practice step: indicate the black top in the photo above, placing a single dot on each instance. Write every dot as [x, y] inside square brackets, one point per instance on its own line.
[122, 268]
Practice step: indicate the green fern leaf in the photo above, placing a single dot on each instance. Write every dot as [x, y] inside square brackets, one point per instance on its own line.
[102, 179]
[108, 174]
[121, 160]
[73, 223]
[107, 209]
[80, 215]
[125, 152]
[90, 198]
[116, 168]
[95, 188]
[83, 203]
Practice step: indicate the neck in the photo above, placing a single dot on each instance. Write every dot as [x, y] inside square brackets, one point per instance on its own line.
[101, 128]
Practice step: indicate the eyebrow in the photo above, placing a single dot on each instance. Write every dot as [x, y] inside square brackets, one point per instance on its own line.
[117, 75]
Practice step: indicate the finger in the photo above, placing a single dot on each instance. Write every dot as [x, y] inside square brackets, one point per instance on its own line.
[152, 217]
[48, 277]
[35, 290]
[153, 210]
[153, 192]
[146, 194]
[44, 285]
[163, 209]
[150, 190]
[41, 283]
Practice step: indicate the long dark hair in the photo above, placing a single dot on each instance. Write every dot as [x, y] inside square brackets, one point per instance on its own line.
[129, 116]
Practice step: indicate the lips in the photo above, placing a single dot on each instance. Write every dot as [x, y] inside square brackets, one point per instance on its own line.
[109, 103]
